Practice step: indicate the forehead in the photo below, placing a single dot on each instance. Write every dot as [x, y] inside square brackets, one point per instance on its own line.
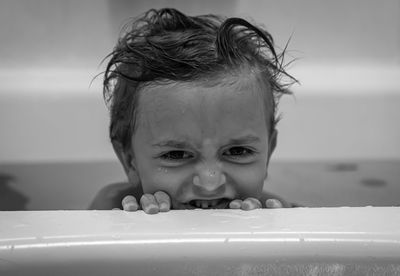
[192, 111]
[231, 93]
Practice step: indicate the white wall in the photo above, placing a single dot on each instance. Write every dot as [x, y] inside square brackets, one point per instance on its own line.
[79, 33]
[349, 68]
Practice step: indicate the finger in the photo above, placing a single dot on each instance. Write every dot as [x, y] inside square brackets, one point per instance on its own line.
[163, 200]
[235, 204]
[129, 203]
[273, 203]
[251, 203]
[149, 204]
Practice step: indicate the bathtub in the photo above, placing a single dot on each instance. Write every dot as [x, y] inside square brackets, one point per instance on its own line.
[300, 241]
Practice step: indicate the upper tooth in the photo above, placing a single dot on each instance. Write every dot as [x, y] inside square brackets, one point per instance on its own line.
[203, 203]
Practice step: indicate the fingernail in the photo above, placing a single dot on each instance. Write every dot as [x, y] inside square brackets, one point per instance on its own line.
[149, 204]
[273, 203]
[130, 206]
[163, 206]
[163, 200]
[250, 204]
[235, 204]
[129, 203]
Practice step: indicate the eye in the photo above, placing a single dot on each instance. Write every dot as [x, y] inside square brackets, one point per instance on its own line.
[176, 155]
[238, 152]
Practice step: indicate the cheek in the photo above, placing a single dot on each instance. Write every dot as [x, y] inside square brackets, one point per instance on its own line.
[249, 181]
[163, 179]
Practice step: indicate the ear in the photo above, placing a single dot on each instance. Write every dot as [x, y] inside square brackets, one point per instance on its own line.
[273, 139]
[126, 158]
[271, 147]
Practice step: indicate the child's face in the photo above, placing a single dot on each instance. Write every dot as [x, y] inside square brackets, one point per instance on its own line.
[204, 146]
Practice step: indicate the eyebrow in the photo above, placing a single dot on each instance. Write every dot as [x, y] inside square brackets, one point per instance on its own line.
[172, 144]
[245, 140]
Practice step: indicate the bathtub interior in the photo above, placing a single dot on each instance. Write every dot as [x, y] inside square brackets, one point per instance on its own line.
[338, 140]
[301, 241]
[337, 145]
[73, 185]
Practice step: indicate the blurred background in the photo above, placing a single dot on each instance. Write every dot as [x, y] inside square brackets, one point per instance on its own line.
[339, 137]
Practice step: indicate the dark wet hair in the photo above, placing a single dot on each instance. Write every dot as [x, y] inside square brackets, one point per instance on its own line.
[168, 46]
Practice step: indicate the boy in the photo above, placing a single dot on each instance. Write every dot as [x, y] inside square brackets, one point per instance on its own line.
[193, 113]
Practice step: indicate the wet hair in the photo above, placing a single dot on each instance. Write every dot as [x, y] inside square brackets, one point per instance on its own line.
[165, 45]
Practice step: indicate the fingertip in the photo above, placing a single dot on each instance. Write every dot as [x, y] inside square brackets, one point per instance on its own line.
[149, 204]
[251, 203]
[164, 207]
[235, 204]
[151, 209]
[163, 200]
[131, 207]
[129, 203]
[273, 203]
[161, 194]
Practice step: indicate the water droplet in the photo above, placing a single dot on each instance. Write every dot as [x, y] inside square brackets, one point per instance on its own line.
[162, 169]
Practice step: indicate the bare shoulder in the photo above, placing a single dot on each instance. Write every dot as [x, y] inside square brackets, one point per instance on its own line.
[111, 196]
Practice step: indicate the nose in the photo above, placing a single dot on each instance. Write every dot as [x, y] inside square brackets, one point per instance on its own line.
[209, 179]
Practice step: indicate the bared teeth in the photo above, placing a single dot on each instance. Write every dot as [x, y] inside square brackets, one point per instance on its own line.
[205, 204]
[219, 203]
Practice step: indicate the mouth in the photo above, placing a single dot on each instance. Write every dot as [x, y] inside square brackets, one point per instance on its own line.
[219, 203]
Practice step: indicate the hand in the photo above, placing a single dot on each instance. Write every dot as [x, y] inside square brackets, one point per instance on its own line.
[252, 203]
[150, 203]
